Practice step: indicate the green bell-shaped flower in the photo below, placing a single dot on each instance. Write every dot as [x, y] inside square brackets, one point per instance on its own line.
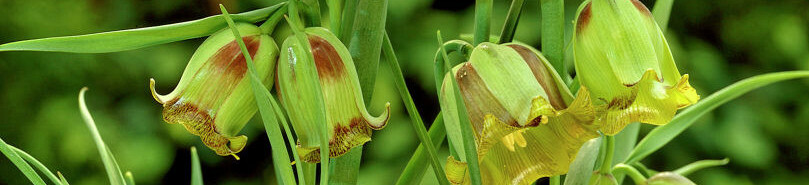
[622, 57]
[527, 123]
[213, 99]
[347, 119]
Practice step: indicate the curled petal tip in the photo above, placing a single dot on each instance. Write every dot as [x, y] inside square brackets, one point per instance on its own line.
[157, 97]
[380, 121]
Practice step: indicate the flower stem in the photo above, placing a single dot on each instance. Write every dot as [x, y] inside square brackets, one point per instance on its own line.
[608, 154]
[631, 172]
[698, 165]
[553, 35]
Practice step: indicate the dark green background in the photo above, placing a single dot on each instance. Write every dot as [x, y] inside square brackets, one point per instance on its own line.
[717, 42]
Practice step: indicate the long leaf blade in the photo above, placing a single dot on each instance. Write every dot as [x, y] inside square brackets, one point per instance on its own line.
[417, 166]
[24, 167]
[196, 169]
[110, 165]
[416, 121]
[279, 149]
[33, 161]
[658, 137]
[123, 40]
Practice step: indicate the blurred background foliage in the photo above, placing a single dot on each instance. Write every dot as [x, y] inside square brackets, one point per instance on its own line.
[716, 42]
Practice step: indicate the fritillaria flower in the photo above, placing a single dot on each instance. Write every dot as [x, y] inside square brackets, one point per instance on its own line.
[527, 124]
[213, 99]
[347, 120]
[622, 57]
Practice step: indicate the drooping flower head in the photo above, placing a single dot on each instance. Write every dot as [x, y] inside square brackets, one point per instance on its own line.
[347, 119]
[213, 100]
[527, 123]
[622, 57]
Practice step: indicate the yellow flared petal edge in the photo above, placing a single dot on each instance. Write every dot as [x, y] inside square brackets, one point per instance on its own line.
[349, 122]
[650, 101]
[522, 154]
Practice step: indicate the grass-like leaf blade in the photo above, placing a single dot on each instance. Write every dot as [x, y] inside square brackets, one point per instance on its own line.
[417, 166]
[123, 40]
[658, 137]
[33, 161]
[24, 167]
[196, 169]
[110, 165]
[279, 148]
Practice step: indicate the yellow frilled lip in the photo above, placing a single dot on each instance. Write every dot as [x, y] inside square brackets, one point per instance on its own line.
[647, 101]
[544, 146]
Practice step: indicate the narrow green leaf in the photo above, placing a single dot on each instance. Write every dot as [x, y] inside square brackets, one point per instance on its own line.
[290, 140]
[279, 148]
[553, 35]
[606, 165]
[123, 40]
[111, 166]
[582, 167]
[62, 178]
[335, 15]
[661, 135]
[311, 12]
[31, 160]
[417, 166]
[130, 180]
[20, 163]
[349, 13]
[661, 13]
[512, 19]
[468, 135]
[483, 21]
[365, 45]
[196, 169]
[294, 22]
[698, 165]
[415, 117]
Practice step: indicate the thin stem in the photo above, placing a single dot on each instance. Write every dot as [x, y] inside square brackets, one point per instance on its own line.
[418, 124]
[553, 35]
[631, 172]
[514, 12]
[698, 165]
[416, 167]
[607, 163]
[33, 161]
[483, 16]
[269, 26]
